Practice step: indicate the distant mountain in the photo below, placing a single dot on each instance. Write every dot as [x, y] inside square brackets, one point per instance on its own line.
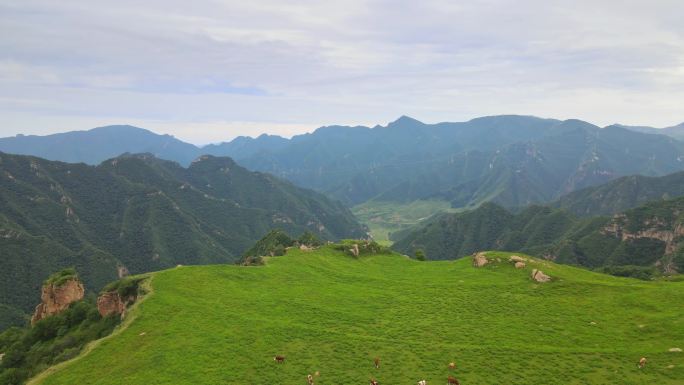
[622, 194]
[676, 132]
[96, 145]
[138, 213]
[511, 160]
[651, 235]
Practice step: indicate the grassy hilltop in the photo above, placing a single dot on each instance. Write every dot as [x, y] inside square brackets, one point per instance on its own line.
[327, 311]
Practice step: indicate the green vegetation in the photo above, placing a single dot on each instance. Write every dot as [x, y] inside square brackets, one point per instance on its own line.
[384, 219]
[622, 194]
[61, 277]
[328, 312]
[274, 244]
[127, 287]
[54, 339]
[142, 214]
[638, 237]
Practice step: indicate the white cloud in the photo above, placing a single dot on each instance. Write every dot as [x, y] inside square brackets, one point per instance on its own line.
[288, 66]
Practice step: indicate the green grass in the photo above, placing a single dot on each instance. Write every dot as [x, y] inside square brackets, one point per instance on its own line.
[329, 312]
[384, 218]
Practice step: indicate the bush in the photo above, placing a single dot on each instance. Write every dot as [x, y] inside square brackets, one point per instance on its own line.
[53, 339]
[639, 272]
[60, 277]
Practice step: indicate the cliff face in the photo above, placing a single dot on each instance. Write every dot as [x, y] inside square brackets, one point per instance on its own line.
[111, 302]
[668, 229]
[56, 298]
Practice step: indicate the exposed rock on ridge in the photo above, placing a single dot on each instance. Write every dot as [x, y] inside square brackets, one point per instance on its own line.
[56, 297]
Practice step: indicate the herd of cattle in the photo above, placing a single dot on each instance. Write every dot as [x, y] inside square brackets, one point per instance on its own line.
[451, 380]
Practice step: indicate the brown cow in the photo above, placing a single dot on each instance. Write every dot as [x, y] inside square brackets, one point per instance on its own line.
[642, 362]
[452, 381]
[279, 359]
[376, 360]
[373, 382]
[452, 365]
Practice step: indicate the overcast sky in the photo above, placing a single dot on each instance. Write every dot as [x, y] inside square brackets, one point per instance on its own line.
[207, 71]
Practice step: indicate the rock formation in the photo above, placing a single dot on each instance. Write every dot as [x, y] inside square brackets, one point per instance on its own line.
[56, 297]
[110, 302]
[480, 259]
[539, 276]
[520, 265]
[515, 258]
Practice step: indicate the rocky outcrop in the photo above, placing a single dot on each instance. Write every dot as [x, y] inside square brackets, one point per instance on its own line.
[539, 276]
[56, 297]
[111, 302]
[122, 271]
[653, 228]
[520, 265]
[515, 258]
[480, 259]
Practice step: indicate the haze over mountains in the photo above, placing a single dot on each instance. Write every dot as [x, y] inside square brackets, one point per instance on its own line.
[511, 160]
[137, 214]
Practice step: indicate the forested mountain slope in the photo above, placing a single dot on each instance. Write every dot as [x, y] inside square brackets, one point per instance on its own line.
[137, 213]
[651, 235]
[511, 160]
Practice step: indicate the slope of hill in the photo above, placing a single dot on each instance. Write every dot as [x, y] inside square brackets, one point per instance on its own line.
[138, 213]
[651, 235]
[676, 132]
[622, 194]
[224, 324]
[99, 144]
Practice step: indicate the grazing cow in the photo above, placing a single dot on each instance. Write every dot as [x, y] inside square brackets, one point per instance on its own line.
[642, 362]
[422, 382]
[309, 379]
[374, 382]
[452, 381]
[279, 359]
[376, 360]
[452, 365]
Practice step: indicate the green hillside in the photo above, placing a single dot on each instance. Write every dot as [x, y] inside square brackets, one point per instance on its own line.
[622, 194]
[137, 213]
[327, 311]
[650, 236]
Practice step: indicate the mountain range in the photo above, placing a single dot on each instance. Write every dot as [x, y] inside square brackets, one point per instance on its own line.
[138, 213]
[511, 160]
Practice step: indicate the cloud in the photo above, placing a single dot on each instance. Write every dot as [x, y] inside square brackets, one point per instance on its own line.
[301, 63]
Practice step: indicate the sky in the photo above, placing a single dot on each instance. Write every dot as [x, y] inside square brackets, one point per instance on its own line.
[207, 71]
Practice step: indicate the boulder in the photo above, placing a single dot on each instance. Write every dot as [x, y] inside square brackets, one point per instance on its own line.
[515, 258]
[675, 350]
[480, 259]
[539, 276]
[520, 265]
[56, 297]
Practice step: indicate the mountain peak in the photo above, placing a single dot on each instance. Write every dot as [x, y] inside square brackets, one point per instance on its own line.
[405, 120]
